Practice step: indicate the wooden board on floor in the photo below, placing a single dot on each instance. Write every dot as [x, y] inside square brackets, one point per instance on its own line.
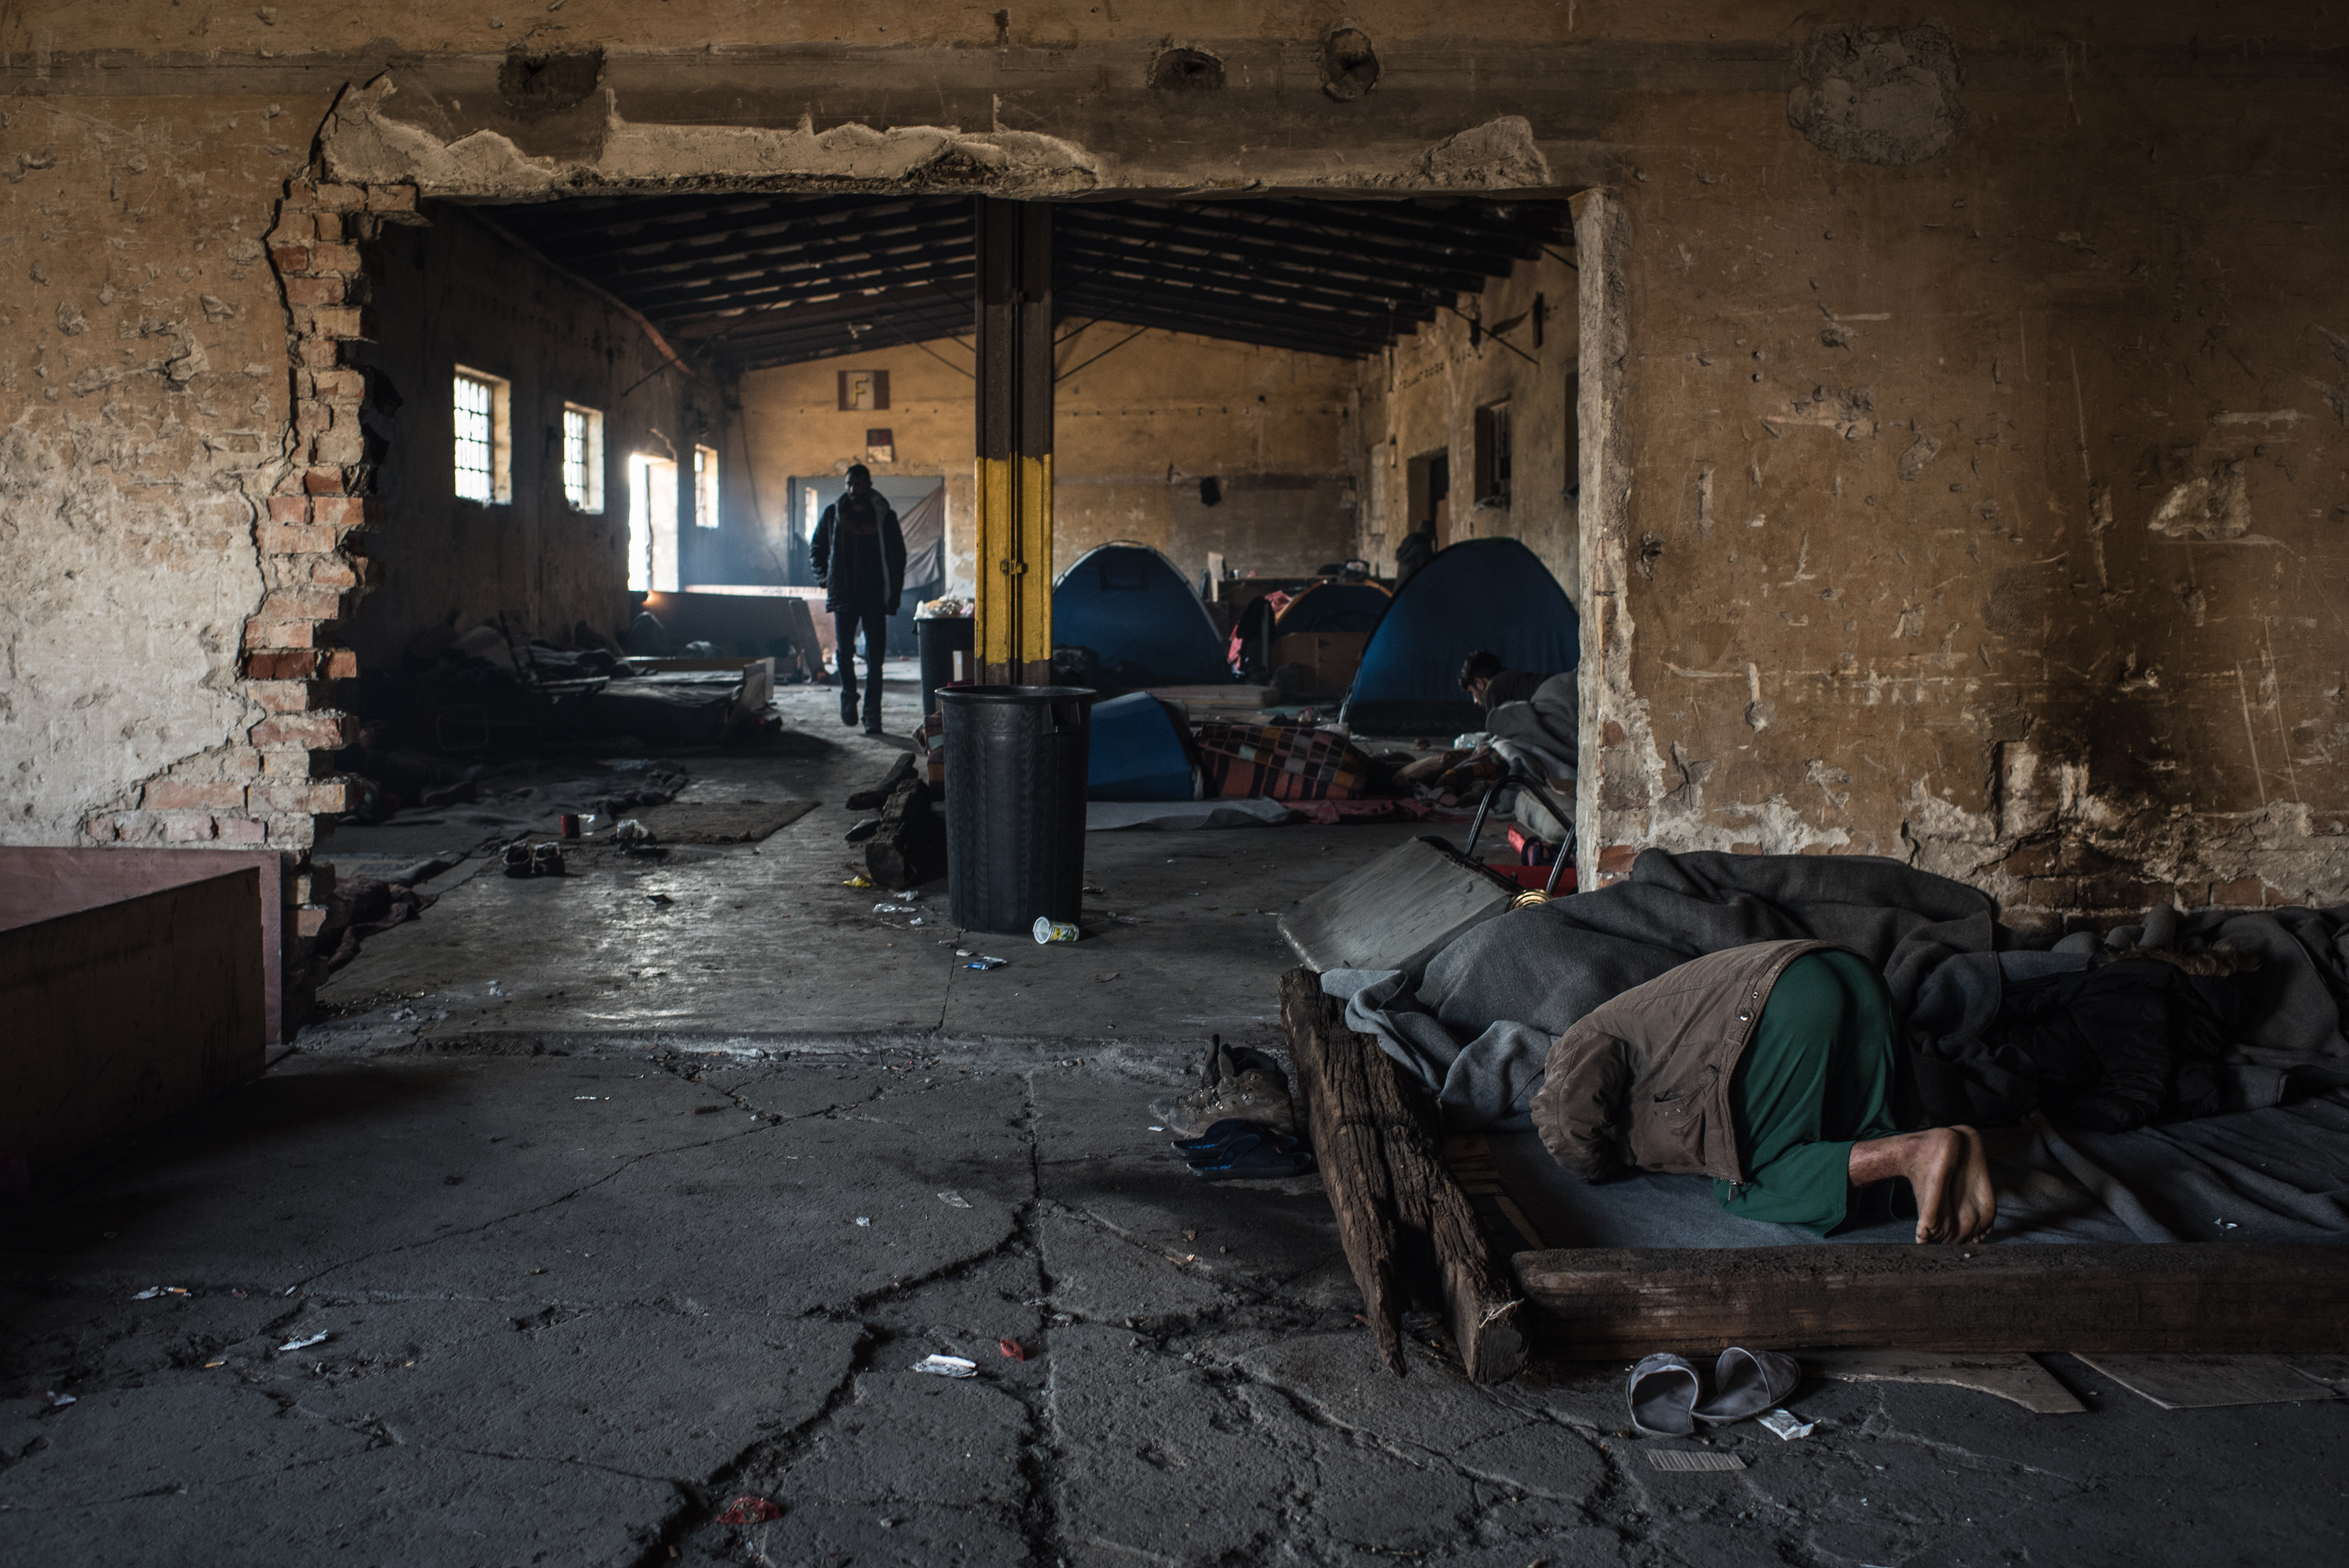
[1406, 1227]
[2207, 1382]
[2011, 1376]
[2234, 1298]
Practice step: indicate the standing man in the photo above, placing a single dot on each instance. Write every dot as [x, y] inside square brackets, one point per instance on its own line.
[859, 555]
[1415, 549]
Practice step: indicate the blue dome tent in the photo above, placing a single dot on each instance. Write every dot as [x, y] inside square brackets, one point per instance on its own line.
[1479, 593]
[1138, 752]
[1143, 623]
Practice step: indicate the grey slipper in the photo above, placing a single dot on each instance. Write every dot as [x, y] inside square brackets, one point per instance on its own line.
[1663, 1393]
[1748, 1382]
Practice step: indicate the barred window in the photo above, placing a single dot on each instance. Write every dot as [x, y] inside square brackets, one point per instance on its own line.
[583, 458]
[482, 437]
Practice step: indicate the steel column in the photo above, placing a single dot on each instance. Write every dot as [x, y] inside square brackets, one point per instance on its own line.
[1014, 554]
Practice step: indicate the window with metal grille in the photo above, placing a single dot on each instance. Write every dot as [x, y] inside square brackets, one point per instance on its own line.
[705, 487]
[482, 432]
[583, 458]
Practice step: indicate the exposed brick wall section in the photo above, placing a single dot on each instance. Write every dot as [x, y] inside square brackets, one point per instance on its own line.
[271, 789]
[313, 547]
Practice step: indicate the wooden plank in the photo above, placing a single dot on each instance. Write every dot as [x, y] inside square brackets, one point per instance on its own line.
[1346, 1146]
[1471, 1279]
[1399, 1214]
[2249, 1297]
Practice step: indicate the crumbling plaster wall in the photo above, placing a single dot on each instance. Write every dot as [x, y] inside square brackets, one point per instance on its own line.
[1977, 490]
[1424, 396]
[144, 362]
[1134, 431]
[2149, 198]
[453, 293]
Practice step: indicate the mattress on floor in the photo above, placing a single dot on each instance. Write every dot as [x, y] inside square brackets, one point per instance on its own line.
[2281, 1174]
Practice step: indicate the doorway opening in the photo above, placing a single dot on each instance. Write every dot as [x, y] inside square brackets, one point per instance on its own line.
[652, 524]
[1234, 382]
[1429, 481]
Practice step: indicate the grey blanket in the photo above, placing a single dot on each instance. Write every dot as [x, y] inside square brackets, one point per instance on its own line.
[1545, 729]
[1480, 1025]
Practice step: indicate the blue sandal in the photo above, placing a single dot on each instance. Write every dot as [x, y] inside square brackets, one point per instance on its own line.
[1218, 1135]
[1252, 1156]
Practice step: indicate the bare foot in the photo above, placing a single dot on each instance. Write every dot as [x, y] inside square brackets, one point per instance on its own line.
[1974, 1201]
[1937, 1162]
[1947, 1170]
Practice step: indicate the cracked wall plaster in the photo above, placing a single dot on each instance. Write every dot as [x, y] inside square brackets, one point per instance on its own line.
[1870, 95]
[2030, 574]
[2054, 340]
[373, 137]
[361, 144]
[142, 343]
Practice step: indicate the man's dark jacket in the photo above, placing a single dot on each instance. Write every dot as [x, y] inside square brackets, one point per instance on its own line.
[859, 555]
[1416, 550]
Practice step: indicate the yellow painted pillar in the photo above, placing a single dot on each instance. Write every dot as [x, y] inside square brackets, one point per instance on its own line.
[1013, 560]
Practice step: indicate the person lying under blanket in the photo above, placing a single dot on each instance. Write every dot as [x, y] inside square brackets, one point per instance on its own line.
[1767, 1067]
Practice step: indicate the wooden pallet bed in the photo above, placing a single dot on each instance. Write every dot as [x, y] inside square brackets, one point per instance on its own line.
[1413, 1237]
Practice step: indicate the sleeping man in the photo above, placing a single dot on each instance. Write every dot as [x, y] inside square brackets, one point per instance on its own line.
[1767, 1067]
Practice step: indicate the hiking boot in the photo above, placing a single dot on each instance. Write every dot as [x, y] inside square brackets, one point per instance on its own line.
[1237, 1083]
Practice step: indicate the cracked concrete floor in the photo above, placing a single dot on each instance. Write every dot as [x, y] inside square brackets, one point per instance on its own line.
[583, 1280]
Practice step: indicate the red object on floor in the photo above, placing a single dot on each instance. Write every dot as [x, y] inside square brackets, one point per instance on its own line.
[1012, 1348]
[1531, 851]
[1535, 877]
[748, 1510]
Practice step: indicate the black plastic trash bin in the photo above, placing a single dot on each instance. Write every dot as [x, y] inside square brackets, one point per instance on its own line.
[939, 639]
[1016, 762]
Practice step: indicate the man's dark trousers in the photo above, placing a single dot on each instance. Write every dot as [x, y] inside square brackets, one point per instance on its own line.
[877, 648]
